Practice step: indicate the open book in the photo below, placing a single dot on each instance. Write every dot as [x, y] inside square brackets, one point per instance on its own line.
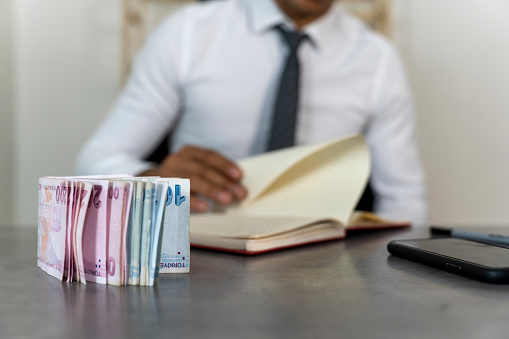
[296, 196]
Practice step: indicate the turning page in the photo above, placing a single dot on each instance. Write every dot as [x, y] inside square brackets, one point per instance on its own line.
[323, 181]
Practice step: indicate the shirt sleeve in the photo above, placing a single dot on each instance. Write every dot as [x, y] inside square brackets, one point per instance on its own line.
[142, 114]
[397, 177]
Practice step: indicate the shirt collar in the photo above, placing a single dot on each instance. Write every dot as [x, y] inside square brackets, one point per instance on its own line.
[263, 15]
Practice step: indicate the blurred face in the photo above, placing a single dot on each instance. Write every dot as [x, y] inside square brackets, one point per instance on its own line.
[304, 11]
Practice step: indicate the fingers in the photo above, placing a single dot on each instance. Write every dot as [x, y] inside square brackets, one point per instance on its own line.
[198, 205]
[208, 174]
[214, 161]
[218, 170]
[209, 190]
[211, 174]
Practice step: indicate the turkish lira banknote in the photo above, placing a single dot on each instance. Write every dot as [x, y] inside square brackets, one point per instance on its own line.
[175, 251]
[118, 230]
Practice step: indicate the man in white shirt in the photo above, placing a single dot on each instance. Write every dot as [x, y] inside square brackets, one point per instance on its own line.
[210, 73]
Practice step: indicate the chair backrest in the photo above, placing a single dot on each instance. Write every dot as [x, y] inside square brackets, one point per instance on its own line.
[139, 17]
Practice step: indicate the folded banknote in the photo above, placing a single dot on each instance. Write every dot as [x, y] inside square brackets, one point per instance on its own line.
[118, 230]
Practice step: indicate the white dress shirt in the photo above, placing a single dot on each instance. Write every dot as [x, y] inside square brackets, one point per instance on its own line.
[210, 71]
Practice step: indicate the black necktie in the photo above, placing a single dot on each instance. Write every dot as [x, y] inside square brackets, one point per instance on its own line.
[282, 133]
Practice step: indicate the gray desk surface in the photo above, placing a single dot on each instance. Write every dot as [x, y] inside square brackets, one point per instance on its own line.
[346, 289]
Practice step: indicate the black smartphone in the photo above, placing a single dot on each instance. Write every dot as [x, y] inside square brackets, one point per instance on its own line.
[485, 262]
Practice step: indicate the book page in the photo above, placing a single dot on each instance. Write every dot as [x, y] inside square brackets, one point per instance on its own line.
[252, 227]
[261, 170]
[321, 181]
[363, 220]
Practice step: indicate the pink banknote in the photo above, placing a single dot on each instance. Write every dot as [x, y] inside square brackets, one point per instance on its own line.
[95, 233]
[52, 226]
[116, 196]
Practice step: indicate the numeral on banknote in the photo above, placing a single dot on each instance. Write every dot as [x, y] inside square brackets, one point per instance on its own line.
[96, 201]
[61, 194]
[111, 266]
[113, 193]
[178, 198]
[83, 195]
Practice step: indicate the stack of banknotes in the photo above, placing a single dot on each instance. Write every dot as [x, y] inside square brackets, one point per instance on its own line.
[118, 230]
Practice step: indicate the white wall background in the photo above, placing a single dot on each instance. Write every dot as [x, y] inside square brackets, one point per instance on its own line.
[67, 73]
[457, 55]
[6, 112]
[67, 76]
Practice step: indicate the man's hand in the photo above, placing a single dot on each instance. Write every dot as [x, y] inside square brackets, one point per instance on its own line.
[211, 174]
